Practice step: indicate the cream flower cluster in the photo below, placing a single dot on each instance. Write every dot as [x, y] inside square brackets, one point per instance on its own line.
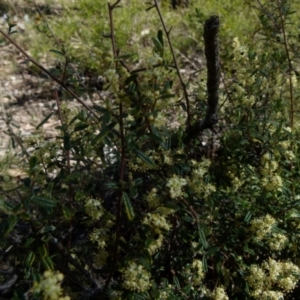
[197, 271]
[262, 229]
[99, 236]
[152, 198]
[273, 279]
[157, 221]
[175, 184]
[94, 208]
[219, 294]
[271, 180]
[136, 278]
[196, 181]
[277, 241]
[49, 287]
[262, 226]
[156, 244]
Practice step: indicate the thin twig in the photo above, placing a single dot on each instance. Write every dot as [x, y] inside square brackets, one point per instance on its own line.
[292, 104]
[123, 157]
[167, 32]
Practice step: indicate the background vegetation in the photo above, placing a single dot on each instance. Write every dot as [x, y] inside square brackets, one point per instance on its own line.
[122, 204]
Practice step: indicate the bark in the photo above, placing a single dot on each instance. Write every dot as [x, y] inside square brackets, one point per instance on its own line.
[211, 42]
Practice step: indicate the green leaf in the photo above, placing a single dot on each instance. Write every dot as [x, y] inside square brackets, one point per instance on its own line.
[248, 217]
[144, 158]
[160, 37]
[67, 213]
[158, 47]
[81, 126]
[56, 52]
[187, 288]
[202, 237]
[47, 262]
[128, 207]
[176, 281]
[33, 162]
[11, 222]
[150, 7]
[155, 137]
[29, 259]
[125, 56]
[47, 229]
[131, 78]
[44, 121]
[204, 264]
[106, 117]
[29, 241]
[146, 259]
[212, 250]
[42, 250]
[170, 205]
[113, 186]
[132, 192]
[104, 132]
[67, 142]
[43, 201]
[166, 96]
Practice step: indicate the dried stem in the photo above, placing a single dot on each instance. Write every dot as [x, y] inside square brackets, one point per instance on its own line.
[211, 42]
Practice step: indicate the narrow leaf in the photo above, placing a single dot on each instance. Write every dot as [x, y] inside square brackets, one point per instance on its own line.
[56, 52]
[128, 207]
[204, 264]
[160, 37]
[248, 217]
[12, 221]
[144, 158]
[202, 237]
[29, 259]
[47, 229]
[47, 262]
[81, 126]
[44, 202]
[44, 121]
[67, 142]
[29, 241]
[131, 78]
[104, 132]
[176, 281]
[32, 162]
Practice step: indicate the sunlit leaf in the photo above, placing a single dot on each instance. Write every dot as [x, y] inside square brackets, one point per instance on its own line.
[144, 158]
[128, 207]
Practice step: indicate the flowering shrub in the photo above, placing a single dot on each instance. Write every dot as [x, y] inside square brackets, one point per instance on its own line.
[137, 199]
[49, 287]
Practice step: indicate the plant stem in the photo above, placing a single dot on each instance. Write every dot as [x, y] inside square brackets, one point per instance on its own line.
[167, 32]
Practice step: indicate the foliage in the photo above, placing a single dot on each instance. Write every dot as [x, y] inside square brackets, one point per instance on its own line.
[126, 207]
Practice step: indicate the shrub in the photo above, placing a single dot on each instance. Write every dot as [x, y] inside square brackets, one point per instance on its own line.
[138, 199]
